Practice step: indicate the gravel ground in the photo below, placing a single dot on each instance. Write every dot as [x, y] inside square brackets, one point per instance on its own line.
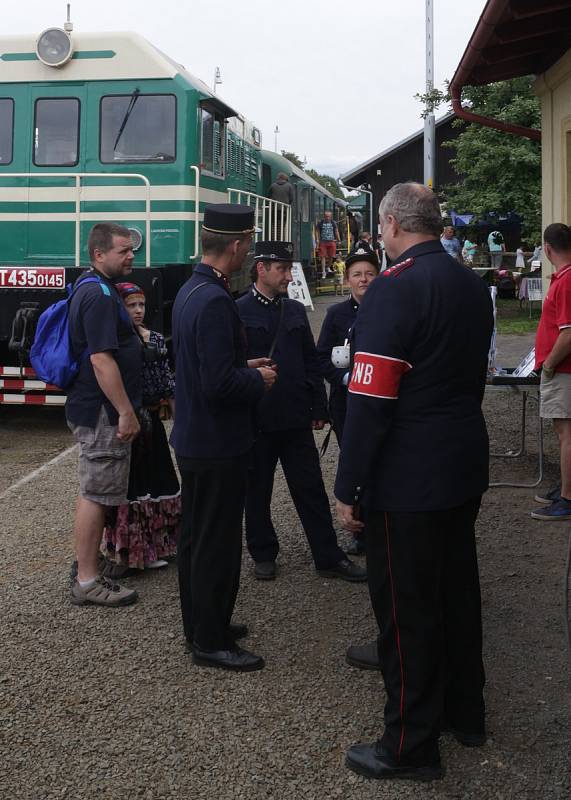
[105, 704]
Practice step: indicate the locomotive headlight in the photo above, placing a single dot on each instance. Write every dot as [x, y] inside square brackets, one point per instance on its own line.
[54, 47]
[137, 238]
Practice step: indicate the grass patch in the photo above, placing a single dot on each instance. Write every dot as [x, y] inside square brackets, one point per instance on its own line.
[510, 318]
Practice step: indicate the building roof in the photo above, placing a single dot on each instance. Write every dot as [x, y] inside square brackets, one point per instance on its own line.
[514, 38]
[350, 176]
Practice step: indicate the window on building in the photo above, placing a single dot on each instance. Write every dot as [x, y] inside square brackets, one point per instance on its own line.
[212, 142]
[56, 132]
[138, 128]
[6, 129]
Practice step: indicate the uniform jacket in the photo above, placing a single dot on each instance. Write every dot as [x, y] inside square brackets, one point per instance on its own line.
[215, 390]
[415, 437]
[337, 324]
[298, 396]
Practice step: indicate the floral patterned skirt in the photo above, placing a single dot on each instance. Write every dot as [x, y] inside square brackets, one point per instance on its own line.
[146, 528]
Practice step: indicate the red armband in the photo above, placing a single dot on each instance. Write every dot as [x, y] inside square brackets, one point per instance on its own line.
[377, 376]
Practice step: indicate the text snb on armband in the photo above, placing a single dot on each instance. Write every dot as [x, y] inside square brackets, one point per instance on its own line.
[377, 375]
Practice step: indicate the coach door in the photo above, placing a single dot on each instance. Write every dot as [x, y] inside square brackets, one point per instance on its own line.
[57, 146]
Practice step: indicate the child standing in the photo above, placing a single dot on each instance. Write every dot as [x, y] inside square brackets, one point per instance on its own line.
[141, 533]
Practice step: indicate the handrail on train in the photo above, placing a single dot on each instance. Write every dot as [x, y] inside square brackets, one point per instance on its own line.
[78, 176]
[278, 216]
[196, 171]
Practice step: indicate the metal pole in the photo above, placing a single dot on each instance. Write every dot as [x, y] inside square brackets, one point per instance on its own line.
[429, 124]
[276, 131]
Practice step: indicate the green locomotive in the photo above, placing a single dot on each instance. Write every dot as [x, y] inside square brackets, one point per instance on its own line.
[98, 127]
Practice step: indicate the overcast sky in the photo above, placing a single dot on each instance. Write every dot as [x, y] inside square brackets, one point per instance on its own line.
[337, 77]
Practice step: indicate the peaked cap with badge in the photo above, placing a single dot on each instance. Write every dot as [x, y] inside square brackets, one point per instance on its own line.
[273, 251]
[229, 218]
[362, 255]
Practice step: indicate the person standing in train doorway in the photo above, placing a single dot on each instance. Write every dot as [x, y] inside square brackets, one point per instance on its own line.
[327, 240]
[213, 434]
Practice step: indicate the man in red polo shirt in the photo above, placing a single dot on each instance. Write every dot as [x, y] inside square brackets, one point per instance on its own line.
[553, 355]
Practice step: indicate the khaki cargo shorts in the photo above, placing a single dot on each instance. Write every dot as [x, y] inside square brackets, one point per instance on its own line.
[555, 394]
[104, 462]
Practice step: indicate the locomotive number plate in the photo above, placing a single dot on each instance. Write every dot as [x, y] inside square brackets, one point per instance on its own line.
[32, 278]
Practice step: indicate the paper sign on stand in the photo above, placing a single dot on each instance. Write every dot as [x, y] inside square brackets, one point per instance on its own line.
[298, 289]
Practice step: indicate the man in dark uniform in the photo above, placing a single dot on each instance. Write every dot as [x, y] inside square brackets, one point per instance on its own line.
[216, 392]
[278, 328]
[415, 455]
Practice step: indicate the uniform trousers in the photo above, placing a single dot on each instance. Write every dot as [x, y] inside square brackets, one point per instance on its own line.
[425, 591]
[296, 451]
[210, 547]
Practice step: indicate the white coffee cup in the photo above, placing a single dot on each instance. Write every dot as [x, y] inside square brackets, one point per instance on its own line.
[341, 356]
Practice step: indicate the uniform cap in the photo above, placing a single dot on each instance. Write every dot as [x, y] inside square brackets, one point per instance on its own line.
[362, 255]
[273, 251]
[229, 218]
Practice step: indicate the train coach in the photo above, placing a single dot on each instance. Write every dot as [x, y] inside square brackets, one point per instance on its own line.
[105, 127]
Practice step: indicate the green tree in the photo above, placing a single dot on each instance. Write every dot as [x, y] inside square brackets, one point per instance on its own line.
[327, 181]
[295, 159]
[500, 172]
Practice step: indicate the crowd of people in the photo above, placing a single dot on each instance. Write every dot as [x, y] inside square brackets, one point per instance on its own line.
[249, 392]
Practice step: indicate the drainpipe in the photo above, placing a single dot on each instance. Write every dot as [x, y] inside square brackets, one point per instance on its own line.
[490, 17]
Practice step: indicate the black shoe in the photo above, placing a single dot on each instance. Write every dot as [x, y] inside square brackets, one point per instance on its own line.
[235, 659]
[356, 548]
[465, 738]
[238, 631]
[364, 656]
[346, 570]
[369, 760]
[265, 570]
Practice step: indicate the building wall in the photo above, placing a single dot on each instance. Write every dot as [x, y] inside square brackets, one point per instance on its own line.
[407, 164]
[554, 89]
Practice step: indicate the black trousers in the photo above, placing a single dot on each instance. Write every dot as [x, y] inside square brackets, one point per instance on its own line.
[425, 591]
[210, 547]
[299, 458]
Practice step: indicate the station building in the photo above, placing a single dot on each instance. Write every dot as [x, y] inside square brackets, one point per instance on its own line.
[404, 161]
[514, 38]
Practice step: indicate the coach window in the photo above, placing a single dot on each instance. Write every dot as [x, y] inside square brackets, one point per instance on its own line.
[212, 142]
[305, 204]
[6, 129]
[137, 128]
[56, 132]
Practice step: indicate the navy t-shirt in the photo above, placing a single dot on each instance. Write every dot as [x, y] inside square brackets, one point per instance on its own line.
[99, 323]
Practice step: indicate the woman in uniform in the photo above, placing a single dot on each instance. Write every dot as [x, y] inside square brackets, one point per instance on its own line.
[361, 268]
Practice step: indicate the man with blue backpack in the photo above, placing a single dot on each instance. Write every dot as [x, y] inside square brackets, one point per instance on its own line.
[101, 405]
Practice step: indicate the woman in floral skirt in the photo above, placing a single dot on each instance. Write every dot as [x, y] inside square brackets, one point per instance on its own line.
[143, 532]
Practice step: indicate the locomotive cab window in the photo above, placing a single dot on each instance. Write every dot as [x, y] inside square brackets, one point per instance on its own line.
[212, 142]
[56, 132]
[137, 128]
[6, 129]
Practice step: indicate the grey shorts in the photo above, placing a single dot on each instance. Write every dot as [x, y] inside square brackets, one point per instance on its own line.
[556, 396]
[104, 462]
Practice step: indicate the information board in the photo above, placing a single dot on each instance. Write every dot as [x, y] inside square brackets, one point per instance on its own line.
[298, 289]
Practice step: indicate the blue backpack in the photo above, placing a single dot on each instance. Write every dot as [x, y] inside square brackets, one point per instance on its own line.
[51, 355]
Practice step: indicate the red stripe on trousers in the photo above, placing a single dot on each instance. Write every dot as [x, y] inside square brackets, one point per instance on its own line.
[397, 629]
